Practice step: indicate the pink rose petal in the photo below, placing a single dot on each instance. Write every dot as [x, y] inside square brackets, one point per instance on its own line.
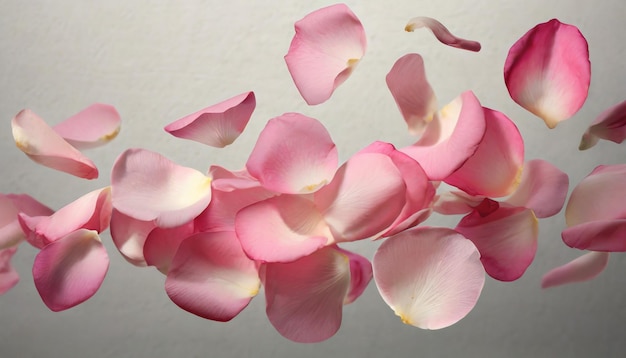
[609, 125]
[94, 126]
[161, 245]
[360, 275]
[598, 235]
[129, 236]
[441, 33]
[8, 276]
[583, 268]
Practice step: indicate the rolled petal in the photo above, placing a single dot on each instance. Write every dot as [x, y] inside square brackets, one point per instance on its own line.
[599, 235]
[94, 126]
[326, 48]
[583, 268]
[8, 276]
[456, 202]
[305, 297]
[161, 245]
[218, 125]
[11, 205]
[147, 186]
[547, 71]
[211, 276]
[430, 277]
[412, 92]
[543, 188]
[129, 236]
[70, 270]
[360, 275]
[441, 33]
[609, 125]
[294, 155]
[43, 145]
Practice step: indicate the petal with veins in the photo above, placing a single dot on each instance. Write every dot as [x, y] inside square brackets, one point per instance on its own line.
[609, 125]
[94, 126]
[441, 33]
[581, 269]
[8, 276]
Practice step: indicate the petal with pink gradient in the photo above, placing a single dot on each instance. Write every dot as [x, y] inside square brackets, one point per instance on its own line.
[129, 236]
[43, 145]
[94, 126]
[218, 125]
[430, 277]
[609, 125]
[304, 298]
[8, 276]
[211, 276]
[547, 71]
[161, 245]
[70, 270]
[147, 186]
[11, 232]
[456, 202]
[583, 268]
[441, 33]
[360, 274]
[294, 154]
[598, 235]
[326, 48]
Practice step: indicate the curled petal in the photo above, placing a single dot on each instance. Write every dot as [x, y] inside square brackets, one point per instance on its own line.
[456, 202]
[609, 125]
[94, 126]
[43, 145]
[599, 235]
[441, 33]
[147, 186]
[11, 205]
[430, 277]
[581, 269]
[161, 245]
[326, 48]
[548, 72]
[129, 236]
[218, 125]
[8, 276]
[360, 275]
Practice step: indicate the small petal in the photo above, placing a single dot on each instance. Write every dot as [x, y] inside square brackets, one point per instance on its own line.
[161, 245]
[583, 268]
[360, 275]
[609, 125]
[94, 126]
[8, 276]
[441, 33]
[129, 236]
[598, 235]
[456, 202]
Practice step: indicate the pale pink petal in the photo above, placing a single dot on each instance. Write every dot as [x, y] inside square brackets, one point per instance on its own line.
[161, 245]
[11, 232]
[599, 235]
[304, 298]
[451, 138]
[412, 92]
[609, 125]
[547, 71]
[43, 145]
[496, 165]
[326, 48]
[211, 276]
[294, 155]
[147, 186]
[8, 276]
[218, 125]
[70, 270]
[95, 125]
[456, 202]
[506, 238]
[360, 275]
[129, 236]
[441, 33]
[583, 268]
[281, 229]
[28, 205]
[227, 180]
[430, 277]
[543, 188]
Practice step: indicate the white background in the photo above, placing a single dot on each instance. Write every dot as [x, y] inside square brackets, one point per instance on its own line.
[156, 62]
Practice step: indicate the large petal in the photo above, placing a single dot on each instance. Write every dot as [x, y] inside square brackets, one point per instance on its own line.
[43, 145]
[599, 235]
[547, 71]
[609, 125]
[430, 277]
[129, 236]
[441, 33]
[327, 46]
[148, 186]
[95, 125]
[211, 276]
[581, 269]
[70, 270]
[8, 276]
[218, 125]
[294, 155]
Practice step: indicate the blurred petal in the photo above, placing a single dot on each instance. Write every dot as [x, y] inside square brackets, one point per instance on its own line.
[609, 125]
[430, 277]
[547, 71]
[218, 125]
[8, 276]
[161, 245]
[581, 269]
[11, 232]
[360, 274]
[129, 236]
[95, 125]
[441, 33]
[599, 235]
[456, 202]
[327, 46]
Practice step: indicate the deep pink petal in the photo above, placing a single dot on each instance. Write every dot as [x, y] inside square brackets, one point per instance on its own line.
[430, 277]
[609, 125]
[95, 125]
[441, 33]
[327, 46]
[211, 276]
[8, 276]
[70, 270]
[583, 268]
[218, 125]
[599, 235]
[161, 245]
[129, 236]
[43, 145]
[547, 71]
[360, 275]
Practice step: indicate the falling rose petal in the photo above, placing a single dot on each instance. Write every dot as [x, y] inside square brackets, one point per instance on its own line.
[304, 298]
[293, 155]
[441, 33]
[161, 245]
[43, 145]
[94, 126]
[456, 202]
[598, 235]
[129, 236]
[360, 275]
[496, 165]
[326, 48]
[430, 277]
[11, 205]
[543, 188]
[211, 276]
[70, 270]
[147, 186]
[218, 125]
[281, 229]
[547, 71]
[8, 276]
[583, 268]
[451, 138]
[413, 95]
[506, 238]
[609, 125]
[227, 180]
